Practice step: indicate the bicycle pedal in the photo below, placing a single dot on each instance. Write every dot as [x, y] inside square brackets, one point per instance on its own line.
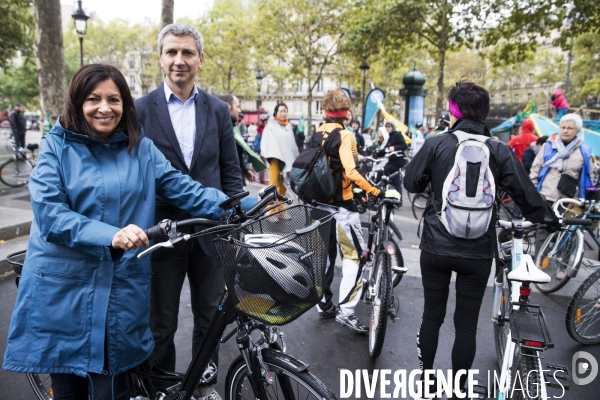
[555, 380]
[480, 391]
[400, 270]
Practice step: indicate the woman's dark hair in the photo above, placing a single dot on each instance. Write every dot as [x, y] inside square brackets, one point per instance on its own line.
[82, 83]
[279, 106]
[472, 100]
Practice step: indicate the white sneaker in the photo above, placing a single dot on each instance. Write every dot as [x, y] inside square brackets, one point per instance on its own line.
[560, 274]
[209, 393]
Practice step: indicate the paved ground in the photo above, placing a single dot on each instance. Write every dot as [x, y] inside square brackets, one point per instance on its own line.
[327, 346]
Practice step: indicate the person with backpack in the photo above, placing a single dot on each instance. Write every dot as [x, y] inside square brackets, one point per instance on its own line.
[338, 143]
[394, 143]
[463, 168]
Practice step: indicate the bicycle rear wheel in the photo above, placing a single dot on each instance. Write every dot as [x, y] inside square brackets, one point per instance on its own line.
[526, 375]
[558, 252]
[15, 173]
[291, 381]
[41, 385]
[501, 328]
[380, 303]
[583, 314]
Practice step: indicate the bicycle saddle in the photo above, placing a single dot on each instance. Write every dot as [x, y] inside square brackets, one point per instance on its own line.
[528, 272]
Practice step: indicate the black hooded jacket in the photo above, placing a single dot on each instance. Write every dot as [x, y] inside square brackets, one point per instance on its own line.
[432, 164]
[397, 141]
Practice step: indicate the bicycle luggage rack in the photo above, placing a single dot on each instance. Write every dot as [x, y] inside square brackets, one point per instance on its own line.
[529, 328]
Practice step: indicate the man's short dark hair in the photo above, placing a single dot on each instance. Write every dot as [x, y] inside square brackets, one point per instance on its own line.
[18, 104]
[541, 140]
[472, 100]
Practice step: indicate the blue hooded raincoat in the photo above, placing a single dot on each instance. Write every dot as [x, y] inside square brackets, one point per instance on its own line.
[75, 294]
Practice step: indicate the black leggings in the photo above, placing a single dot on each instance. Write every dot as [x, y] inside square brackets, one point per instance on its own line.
[471, 280]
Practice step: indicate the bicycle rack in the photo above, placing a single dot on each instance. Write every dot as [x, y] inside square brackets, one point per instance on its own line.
[529, 325]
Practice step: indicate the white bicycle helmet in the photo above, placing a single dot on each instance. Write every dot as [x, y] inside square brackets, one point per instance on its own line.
[284, 272]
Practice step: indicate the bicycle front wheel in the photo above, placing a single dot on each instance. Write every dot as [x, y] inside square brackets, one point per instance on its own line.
[380, 303]
[583, 314]
[15, 173]
[556, 257]
[501, 328]
[41, 385]
[291, 381]
[526, 375]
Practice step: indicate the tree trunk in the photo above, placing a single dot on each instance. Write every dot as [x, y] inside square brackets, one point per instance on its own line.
[308, 133]
[48, 46]
[166, 15]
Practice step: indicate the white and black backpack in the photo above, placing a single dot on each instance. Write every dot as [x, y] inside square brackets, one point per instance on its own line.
[469, 189]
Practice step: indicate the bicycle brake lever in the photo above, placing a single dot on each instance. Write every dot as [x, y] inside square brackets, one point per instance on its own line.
[168, 244]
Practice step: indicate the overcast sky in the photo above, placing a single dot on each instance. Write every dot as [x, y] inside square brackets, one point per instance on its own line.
[137, 10]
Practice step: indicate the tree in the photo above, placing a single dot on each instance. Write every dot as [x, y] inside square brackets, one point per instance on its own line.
[585, 78]
[49, 56]
[229, 52]
[303, 35]
[16, 30]
[166, 15]
[19, 84]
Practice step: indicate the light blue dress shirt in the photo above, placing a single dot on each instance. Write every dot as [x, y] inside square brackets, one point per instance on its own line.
[183, 118]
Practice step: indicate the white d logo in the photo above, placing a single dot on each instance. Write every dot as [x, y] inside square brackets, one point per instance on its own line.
[582, 367]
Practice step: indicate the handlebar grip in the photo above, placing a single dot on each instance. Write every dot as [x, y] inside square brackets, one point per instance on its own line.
[156, 232]
[576, 221]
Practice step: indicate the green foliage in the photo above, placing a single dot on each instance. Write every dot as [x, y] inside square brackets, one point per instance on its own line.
[19, 84]
[229, 65]
[16, 30]
[585, 78]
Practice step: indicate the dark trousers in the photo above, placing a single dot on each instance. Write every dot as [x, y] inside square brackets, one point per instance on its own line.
[19, 138]
[396, 181]
[471, 280]
[207, 285]
[94, 387]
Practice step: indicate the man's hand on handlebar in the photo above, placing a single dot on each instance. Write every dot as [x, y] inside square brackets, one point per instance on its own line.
[130, 238]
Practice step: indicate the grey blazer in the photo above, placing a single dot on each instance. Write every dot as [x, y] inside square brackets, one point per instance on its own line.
[214, 161]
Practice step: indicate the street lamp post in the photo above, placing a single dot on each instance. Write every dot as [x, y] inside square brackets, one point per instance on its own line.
[80, 18]
[259, 79]
[364, 66]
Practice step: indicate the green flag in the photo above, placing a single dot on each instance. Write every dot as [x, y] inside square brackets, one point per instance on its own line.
[257, 163]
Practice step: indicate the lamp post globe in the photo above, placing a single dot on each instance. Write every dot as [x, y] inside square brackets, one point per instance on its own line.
[80, 18]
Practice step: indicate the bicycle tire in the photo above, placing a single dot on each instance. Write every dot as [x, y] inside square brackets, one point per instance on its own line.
[567, 257]
[501, 331]
[380, 304]
[528, 380]
[41, 385]
[418, 205]
[304, 386]
[396, 276]
[15, 173]
[584, 311]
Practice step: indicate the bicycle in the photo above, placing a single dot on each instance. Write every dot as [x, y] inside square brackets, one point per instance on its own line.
[15, 172]
[563, 250]
[263, 370]
[379, 291]
[419, 203]
[583, 313]
[521, 334]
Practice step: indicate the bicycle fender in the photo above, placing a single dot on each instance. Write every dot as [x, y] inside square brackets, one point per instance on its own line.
[297, 365]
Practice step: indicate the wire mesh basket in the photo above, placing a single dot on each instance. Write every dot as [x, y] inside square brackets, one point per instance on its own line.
[274, 266]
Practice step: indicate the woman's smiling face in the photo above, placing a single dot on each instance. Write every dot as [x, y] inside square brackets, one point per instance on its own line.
[103, 108]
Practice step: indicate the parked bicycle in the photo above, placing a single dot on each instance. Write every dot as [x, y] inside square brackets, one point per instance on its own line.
[520, 330]
[583, 313]
[561, 253]
[381, 250]
[15, 172]
[274, 274]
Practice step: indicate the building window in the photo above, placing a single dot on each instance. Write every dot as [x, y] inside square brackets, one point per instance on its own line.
[131, 82]
[131, 63]
[503, 99]
[319, 108]
[297, 107]
[320, 85]
[299, 86]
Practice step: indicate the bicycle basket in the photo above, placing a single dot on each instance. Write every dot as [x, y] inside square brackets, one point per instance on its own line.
[274, 265]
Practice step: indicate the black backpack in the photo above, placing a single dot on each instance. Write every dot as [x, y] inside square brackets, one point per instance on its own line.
[311, 175]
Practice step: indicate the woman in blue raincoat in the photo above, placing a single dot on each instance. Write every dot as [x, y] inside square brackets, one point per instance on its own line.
[82, 311]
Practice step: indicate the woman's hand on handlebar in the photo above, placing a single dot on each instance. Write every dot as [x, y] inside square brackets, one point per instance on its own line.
[130, 238]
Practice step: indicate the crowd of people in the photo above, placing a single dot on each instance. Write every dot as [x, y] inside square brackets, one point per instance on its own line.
[111, 167]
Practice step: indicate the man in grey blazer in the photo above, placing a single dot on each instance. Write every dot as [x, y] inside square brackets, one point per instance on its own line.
[193, 129]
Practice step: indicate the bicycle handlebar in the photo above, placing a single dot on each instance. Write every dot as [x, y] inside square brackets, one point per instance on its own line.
[566, 221]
